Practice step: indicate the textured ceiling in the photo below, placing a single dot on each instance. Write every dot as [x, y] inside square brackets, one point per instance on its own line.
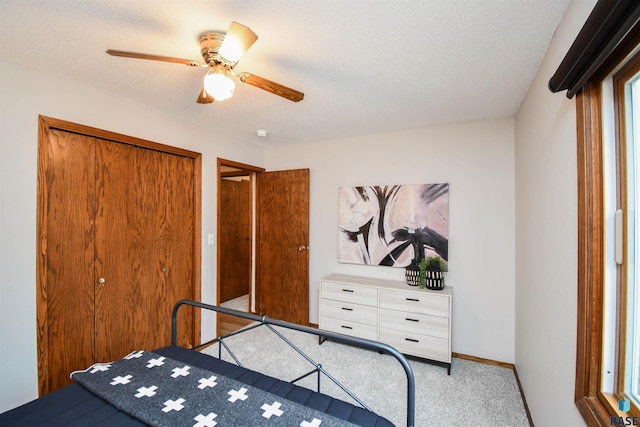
[364, 66]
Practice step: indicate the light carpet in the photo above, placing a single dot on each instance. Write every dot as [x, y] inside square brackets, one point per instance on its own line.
[241, 303]
[476, 394]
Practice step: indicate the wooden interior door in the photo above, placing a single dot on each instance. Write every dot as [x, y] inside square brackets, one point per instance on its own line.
[117, 249]
[235, 238]
[282, 264]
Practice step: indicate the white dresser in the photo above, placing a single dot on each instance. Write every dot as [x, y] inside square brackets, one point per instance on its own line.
[415, 321]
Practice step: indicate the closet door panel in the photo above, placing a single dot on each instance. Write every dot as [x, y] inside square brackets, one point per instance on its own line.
[115, 303]
[147, 255]
[67, 301]
[180, 249]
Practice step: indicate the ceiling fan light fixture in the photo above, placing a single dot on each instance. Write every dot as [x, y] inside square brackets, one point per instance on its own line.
[218, 83]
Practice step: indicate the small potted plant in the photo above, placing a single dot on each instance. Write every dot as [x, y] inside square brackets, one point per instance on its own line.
[432, 271]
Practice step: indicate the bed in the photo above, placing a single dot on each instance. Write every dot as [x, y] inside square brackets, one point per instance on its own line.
[179, 386]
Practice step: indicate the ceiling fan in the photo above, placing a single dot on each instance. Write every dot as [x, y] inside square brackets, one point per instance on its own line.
[221, 53]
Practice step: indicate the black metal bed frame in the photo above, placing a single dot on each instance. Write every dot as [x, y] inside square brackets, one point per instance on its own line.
[318, 369]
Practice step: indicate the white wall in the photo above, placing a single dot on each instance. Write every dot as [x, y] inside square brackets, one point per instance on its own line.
[24, 95]
[546, 238]
[477, 160]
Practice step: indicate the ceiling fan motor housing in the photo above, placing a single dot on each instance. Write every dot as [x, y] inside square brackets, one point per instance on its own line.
[210, 43]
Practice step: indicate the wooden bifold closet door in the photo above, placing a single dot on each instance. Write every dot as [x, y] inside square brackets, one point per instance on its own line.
[116, 237]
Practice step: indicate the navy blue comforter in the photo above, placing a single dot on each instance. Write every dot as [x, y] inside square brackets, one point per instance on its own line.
[74, 405]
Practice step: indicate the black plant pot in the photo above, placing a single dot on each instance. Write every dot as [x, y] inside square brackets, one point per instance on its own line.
[412, 276]
[434, 280]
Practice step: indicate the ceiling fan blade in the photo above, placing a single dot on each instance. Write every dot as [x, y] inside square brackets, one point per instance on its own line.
[204, 97]
[273, 87]
[237, 41]
[136, 55]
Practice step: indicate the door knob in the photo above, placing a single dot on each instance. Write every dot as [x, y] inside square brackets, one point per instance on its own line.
[101, 281]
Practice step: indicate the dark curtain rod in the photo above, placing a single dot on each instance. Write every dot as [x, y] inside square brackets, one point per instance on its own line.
[608, 24]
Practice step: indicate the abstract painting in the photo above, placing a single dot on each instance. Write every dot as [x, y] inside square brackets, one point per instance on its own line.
[393, 225]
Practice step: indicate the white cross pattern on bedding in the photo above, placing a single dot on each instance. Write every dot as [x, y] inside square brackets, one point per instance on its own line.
[164, 392]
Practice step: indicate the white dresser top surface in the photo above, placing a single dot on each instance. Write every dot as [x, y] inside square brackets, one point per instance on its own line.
[383, 283]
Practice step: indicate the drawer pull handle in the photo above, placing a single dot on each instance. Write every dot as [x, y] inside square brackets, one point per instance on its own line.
[346, 327]
[347, 309]
[413, 299]
[411, 320]
[411, 339]
[347, 290]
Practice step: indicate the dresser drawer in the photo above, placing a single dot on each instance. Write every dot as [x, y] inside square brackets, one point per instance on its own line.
[415, 323]
[364, 295]
[348, 311]
[415, 302]
[348, 327]
[417, 345]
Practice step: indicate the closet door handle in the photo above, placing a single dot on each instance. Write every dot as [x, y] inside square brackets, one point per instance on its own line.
[101, 282]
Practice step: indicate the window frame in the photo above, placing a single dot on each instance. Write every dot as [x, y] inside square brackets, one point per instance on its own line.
[620, 79]
[596, 407]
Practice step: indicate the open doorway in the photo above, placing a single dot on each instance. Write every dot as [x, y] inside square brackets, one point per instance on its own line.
[266, 270]
[236, 237]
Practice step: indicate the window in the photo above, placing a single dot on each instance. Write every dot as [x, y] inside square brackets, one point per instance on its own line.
[608, 359]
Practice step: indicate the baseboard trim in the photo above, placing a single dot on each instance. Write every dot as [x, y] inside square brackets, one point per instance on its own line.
[524, 400]
[502, 365]
[483, 360]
